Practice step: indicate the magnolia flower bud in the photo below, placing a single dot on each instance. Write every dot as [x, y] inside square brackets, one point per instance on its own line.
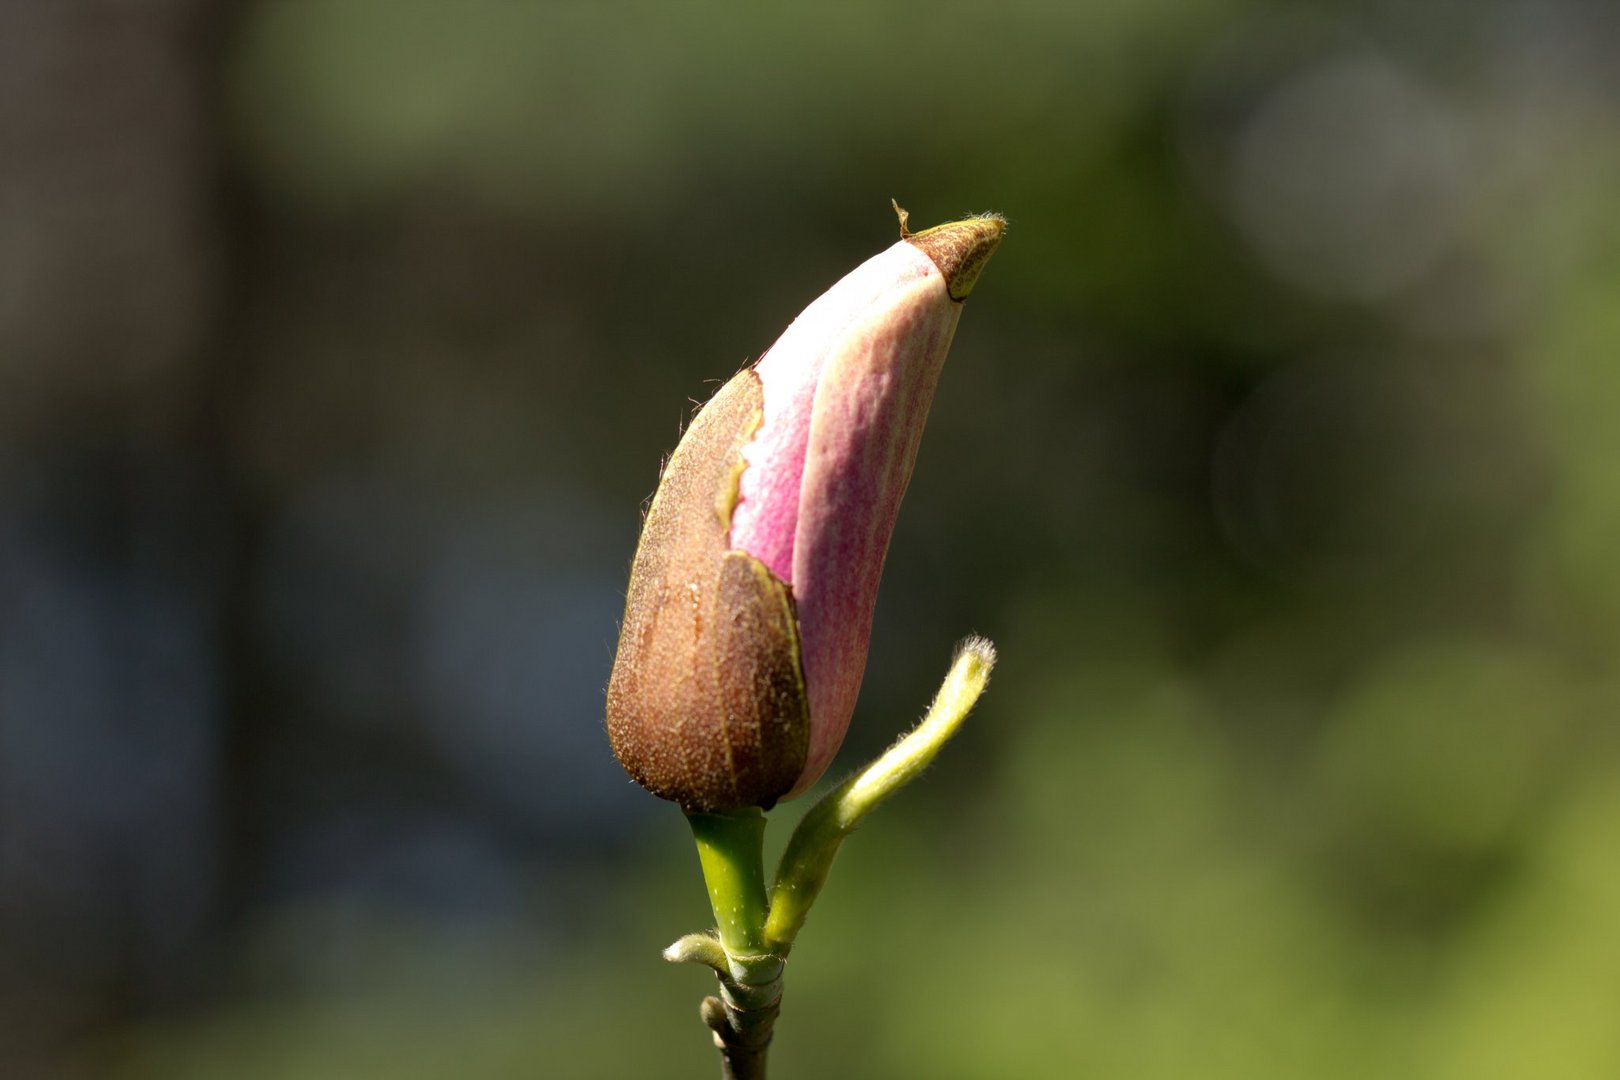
[752, 591]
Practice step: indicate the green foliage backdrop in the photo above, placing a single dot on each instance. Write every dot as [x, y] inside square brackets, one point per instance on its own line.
[1277, 452]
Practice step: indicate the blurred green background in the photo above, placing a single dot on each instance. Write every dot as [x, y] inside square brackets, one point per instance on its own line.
[339, 345]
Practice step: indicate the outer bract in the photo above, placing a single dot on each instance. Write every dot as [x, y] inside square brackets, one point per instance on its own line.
[752, 591]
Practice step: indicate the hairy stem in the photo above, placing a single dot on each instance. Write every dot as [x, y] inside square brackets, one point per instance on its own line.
[810, 851]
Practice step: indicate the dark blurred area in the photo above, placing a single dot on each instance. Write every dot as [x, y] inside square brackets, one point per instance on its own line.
[339, 345]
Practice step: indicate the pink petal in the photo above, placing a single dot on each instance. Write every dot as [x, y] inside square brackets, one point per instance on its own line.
[865, 428]
[764, 522]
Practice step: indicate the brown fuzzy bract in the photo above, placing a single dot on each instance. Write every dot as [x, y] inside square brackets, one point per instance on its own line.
[960, 249]
[707, 705]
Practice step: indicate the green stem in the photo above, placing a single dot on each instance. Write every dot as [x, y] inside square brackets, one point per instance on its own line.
[730, 845]
[731, 848]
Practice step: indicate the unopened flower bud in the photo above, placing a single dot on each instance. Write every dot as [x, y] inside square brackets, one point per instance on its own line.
[752, 591]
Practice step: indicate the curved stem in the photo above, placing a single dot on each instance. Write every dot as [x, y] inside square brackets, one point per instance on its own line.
[814, 844]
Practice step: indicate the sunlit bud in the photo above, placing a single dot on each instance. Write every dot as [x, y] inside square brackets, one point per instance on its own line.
[752, 591]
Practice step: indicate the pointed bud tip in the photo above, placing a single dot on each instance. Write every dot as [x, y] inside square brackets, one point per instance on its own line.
[960, 249]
